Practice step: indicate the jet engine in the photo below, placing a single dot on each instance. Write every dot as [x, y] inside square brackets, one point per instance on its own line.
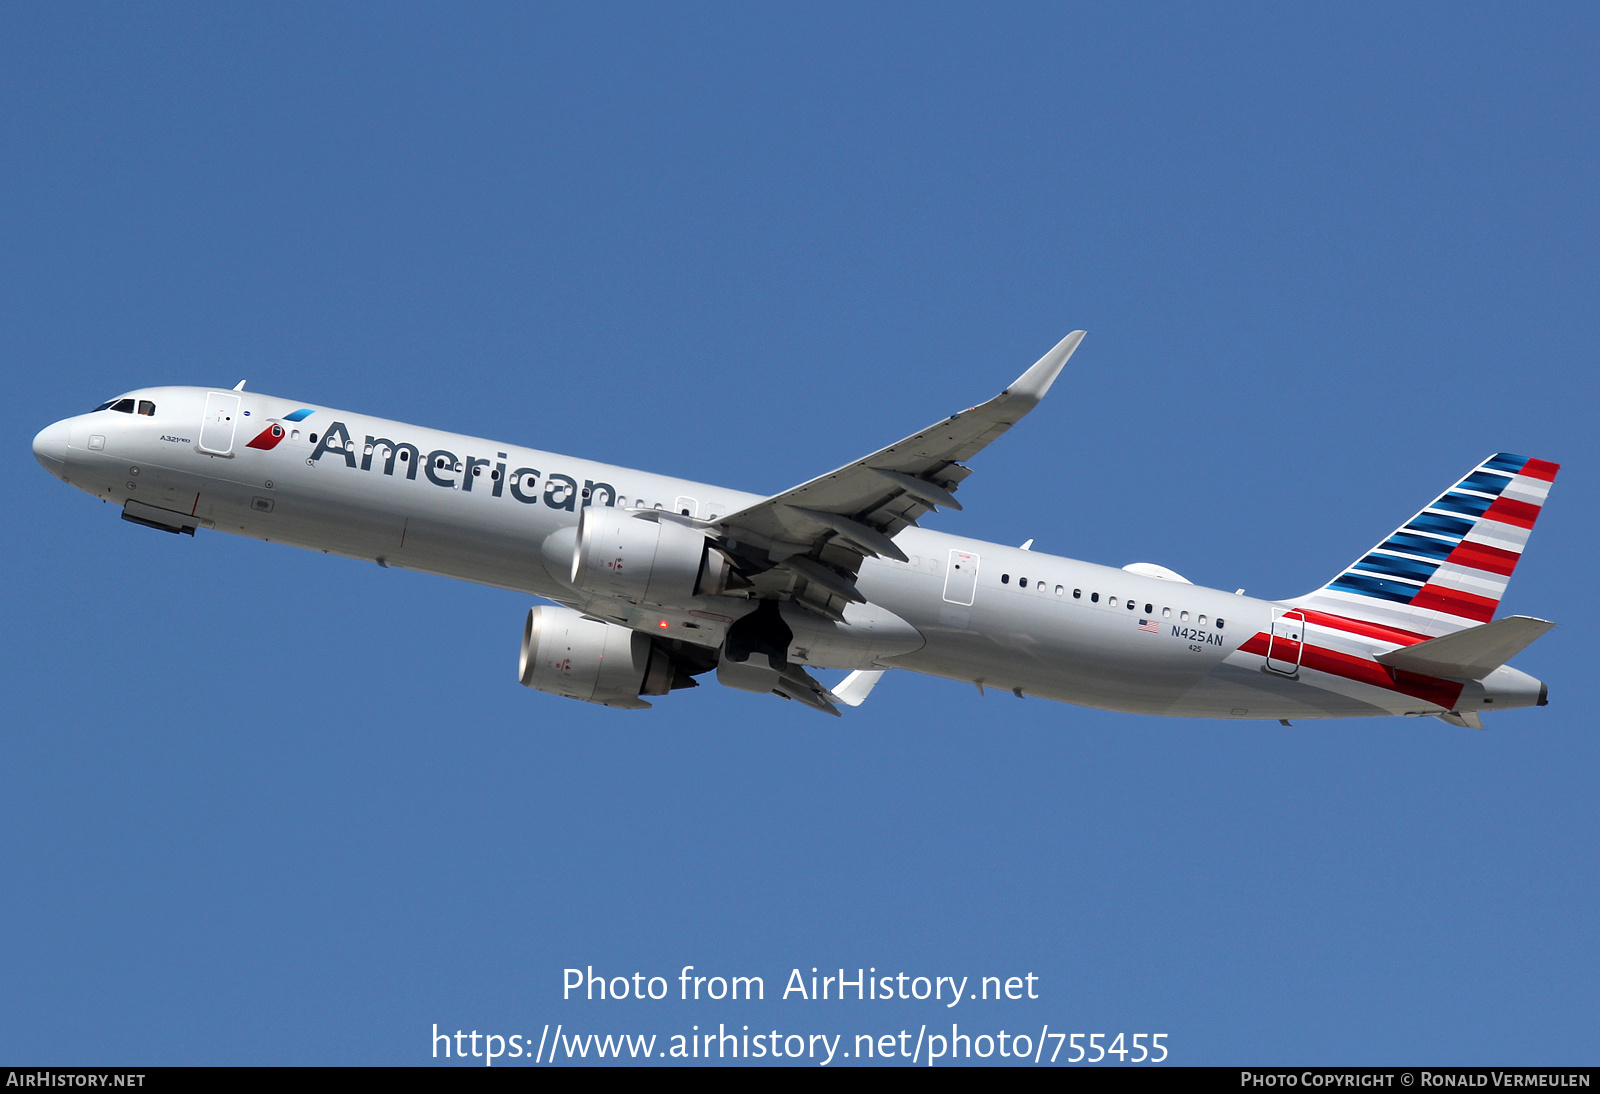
[566, 653]
[638, 556]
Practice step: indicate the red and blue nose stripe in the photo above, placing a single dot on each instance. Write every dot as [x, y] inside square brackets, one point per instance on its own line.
[269, 437]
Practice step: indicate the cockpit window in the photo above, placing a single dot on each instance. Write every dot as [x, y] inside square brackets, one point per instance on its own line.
[103, 406]
[147, 408]
[124, 406]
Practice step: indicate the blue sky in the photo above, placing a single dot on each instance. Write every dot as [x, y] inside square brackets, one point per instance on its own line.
[270, 806]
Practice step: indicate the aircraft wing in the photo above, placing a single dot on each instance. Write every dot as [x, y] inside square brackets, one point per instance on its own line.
[820, 530]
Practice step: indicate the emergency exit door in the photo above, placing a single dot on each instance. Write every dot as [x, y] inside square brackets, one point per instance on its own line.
[961, 578]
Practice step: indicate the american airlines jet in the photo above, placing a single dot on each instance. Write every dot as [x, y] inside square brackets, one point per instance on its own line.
[657, 580]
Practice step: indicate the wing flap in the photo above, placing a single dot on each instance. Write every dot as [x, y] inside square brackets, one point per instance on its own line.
[818, 574]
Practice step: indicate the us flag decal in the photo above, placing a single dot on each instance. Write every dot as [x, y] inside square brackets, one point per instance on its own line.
[1149, 625]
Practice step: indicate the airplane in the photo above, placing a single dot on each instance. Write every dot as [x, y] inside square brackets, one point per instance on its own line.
[654, 581]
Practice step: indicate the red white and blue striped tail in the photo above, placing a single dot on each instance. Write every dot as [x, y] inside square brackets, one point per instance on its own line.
[1446, 568]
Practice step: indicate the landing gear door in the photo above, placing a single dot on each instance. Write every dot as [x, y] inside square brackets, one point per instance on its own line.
[961, 578]
[1286, 644]
[219, 423]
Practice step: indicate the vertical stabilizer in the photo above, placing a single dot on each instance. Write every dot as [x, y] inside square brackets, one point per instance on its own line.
[1446, 568]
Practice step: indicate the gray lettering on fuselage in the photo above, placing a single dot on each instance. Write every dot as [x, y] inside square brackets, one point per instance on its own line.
[561, 492]
[441, 465]
[391, 451]
[473, 463]
[1189, 634]
[336, 439]
[518, 481]
[435, 457]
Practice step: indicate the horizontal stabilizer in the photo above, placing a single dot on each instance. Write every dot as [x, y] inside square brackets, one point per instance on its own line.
[1471, 654]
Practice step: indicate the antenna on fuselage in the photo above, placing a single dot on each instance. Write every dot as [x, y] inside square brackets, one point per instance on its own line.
[239, 386]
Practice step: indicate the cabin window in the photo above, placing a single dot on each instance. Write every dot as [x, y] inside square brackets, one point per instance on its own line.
[1060, 590]
[1022, 583]
[476, 471]
[1166, 613]
[312, 438]
[1202, 619]
[494, 475]
[1077, 594]
[1094, 598]
[1131, 605]
[148, 409]
[1005, 579]
[1111, 602]
[1184, 616]
[1148, 608]
[1219, 622]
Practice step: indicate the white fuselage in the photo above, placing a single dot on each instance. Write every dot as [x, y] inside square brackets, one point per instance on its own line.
[500, 515]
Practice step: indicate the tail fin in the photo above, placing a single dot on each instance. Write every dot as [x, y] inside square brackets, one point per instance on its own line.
[1446, 568]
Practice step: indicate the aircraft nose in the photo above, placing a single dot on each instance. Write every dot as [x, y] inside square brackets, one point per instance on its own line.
[50, 447]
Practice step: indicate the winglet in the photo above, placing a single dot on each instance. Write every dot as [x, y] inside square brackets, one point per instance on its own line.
[854, 689]
[1032, 385]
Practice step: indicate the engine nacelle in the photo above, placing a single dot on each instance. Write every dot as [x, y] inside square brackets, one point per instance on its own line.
[645, 559]
[566, 653]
